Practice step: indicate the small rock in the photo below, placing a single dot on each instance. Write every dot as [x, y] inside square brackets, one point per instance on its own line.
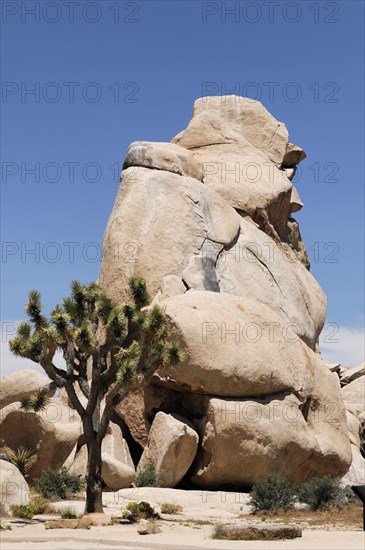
[146, 527]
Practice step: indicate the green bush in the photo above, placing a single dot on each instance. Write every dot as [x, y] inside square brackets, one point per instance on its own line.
[219, 532]
[169, 508]
[21, 511]
[69, 513]
[58, 483]
[39, 505]
[142, 510]
[273, 492]
[147, 477]
[320, 491]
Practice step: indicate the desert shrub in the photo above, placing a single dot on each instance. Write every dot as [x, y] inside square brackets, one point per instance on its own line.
[58, 483]
[22, 511]
[318, 492]
[69, 513]
[142, 510]
[4, 525]
[170, 508]
[219, 532]
[147, 477]
[273, 492]
[23, 459]
[39, 505]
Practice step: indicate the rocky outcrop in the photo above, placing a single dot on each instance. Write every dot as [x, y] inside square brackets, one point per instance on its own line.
[13, 487]
[171, 449]
[24, 383]
[207, 222]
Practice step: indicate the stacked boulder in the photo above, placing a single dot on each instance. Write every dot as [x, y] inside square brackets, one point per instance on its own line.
[207, 221]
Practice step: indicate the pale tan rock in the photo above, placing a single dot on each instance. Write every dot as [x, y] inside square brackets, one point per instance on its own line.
[356, 473]
[234, 119]
[163, 156]
[147, 527]
[278, 433]
[354, 427]
[13, 487]
[354, 394]
[353, 374]
[293, 155]
[21, 384]
[116, 475]
[131, 410]
[235, 346]
[258, 266]
[51, 433]
[98, 519]
[137, 239]
[79, 464]
[171, 448]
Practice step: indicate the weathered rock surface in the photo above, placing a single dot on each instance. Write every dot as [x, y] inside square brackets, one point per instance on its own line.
[353, 394]
[207, 222]
[21, 384]
[147, 527]
[51, 433]
[116, 475]
[297, 436]
[235, 347]
[353, 374]
[261, 531]
[134, 236]
[171, 448]
[13, 487]
[117, 465]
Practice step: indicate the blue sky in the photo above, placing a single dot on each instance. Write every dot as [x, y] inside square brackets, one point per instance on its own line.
[107, 73]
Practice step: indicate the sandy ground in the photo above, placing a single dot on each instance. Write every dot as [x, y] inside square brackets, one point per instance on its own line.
[185, 531]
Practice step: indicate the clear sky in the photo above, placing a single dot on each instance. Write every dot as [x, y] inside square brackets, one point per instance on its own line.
[106, 73]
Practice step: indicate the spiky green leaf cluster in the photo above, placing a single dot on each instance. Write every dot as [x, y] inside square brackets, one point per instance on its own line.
[35, 402]
[139, 292]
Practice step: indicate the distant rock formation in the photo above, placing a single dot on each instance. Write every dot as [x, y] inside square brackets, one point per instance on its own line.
[207, 221]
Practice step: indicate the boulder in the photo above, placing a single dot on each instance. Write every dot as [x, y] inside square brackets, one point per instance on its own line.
[117, 466]
[356, 473]
[21, 384]
[131, 409]
[241, 147]
[147, 527]
[116, 475]
[293, 155]
[163, 156]
[13, 487]
[51, 433]
[235, 347]
[233, 119]
[258, 266]
[171, 448]
[299, 436]
[354, 394]
[353, 374]
[136, 240]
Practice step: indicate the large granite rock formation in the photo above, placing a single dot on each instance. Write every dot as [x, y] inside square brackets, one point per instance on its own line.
[207, 221]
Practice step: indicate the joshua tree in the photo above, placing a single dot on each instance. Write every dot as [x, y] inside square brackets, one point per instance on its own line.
[109, 349]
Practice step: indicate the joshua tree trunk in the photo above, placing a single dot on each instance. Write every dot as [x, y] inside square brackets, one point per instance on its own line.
[94, 483]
